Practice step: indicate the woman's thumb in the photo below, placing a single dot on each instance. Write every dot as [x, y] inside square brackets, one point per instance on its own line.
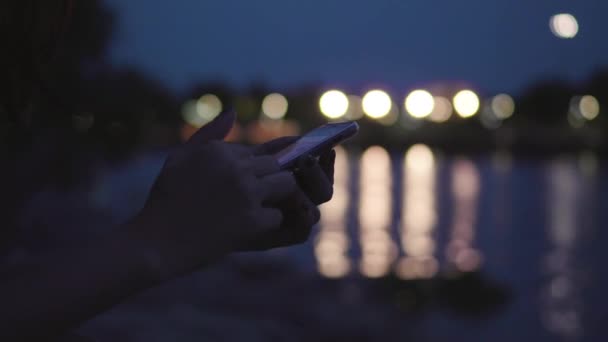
[217, 129]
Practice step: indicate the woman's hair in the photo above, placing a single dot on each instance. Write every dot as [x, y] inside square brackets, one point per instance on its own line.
[29, 34]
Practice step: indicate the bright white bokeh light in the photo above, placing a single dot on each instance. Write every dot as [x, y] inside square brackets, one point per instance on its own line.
[377, 104]
[466, 103]
[564, 25]
[333, 104]
[274, 106]
[208, 107]
[442, 110]
[419, 104]
[503, 106]
[589, 107]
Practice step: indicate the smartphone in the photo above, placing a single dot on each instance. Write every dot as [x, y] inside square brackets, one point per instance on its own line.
[316, 142]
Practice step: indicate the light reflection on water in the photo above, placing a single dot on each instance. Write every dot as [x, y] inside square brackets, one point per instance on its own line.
[332, 243]
[378, 250]
[567, 200]
[465, 191]
[419, 215]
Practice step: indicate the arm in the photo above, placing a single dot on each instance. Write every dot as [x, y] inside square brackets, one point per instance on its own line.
[78, 285]
[209, 198]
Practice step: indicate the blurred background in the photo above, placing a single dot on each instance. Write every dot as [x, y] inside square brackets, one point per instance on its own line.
[469, 207]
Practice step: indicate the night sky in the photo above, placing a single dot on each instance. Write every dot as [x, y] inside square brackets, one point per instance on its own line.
[492, 46]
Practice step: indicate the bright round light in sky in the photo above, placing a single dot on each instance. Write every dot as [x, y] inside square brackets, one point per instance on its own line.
[589, 107]
[503, 106]
[442, 110]
[564, 25]
[419, 103]
[466, 103]
[208, 107]
[333, 104]
[275, 106]
[377, 104]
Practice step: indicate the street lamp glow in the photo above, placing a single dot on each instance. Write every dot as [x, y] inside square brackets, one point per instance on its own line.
[275, 106]
[419, 104]
[208, 107]
[333, 104]
[466, 103]
[377, 104]
[589, 107]
[442, 111]
[503, 106]
[564, 25]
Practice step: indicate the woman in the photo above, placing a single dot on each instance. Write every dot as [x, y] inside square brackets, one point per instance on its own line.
[211, 198]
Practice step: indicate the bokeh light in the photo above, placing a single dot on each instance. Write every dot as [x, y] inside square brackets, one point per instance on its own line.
[567, 198]
[488, 118]
[355, 108]
[465, 189]
[442, 111]
[466, 103]
[589, 107]
[190, 114]
[274, 106]
[208, 107]
[391, 118]
[377, 104]
[419, 103]
[419, 215]
[375, 202]
[564, 25]
[503, 106]
[332, 243]
[333, 104]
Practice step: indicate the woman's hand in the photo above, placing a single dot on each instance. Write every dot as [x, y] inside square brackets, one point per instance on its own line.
[211, 198]
[315, 179]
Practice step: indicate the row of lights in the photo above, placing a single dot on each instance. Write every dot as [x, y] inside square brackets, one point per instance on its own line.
[419, 104]
[199, 112]
[378, 105]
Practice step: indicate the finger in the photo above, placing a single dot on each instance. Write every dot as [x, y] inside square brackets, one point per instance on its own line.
[217, 129]
[269, 219]
[274, 146]
[315, 183]
[299, 217]
[285, 237]
[299, 210]
[327, 162]
[277, 187]
[263, 166]
[300, 214]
